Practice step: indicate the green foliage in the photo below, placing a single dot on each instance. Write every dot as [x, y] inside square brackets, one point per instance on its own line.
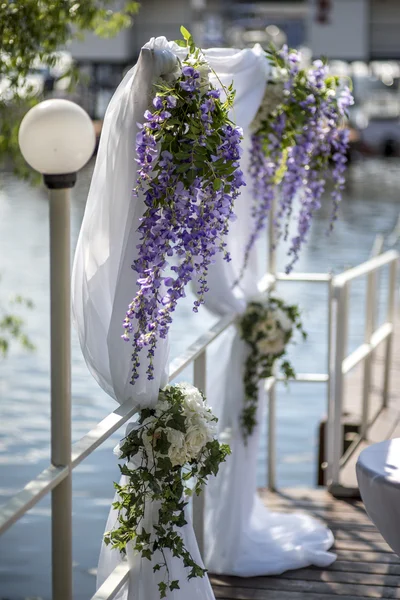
[33, 30]
[266, 327]
[155, 484]
[194, 159]
[12, 328]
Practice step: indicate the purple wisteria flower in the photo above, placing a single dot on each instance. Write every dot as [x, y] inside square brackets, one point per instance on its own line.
[298, 142]
[188, 153]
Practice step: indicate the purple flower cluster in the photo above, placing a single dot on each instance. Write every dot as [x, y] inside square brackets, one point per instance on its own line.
[188, 154]
[296, 148]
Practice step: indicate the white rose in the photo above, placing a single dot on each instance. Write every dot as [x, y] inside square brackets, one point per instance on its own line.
[161, 407]
[193, 401]
[204, 421]
[196, 438]
[274, 345]
[177, 452]
[267, 327]
[283, 319]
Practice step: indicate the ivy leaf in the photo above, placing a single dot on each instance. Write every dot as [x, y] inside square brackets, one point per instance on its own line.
[146, 553]
[174, 585]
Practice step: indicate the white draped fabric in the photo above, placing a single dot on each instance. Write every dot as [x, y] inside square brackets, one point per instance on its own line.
[103, 286]
[243, 538]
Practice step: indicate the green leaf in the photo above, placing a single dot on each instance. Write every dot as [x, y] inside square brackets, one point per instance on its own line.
[217, 184]
[185, 33]
[174, 585]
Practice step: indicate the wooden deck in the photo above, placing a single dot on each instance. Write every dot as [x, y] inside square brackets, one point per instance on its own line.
[365, 567]
[385, 424]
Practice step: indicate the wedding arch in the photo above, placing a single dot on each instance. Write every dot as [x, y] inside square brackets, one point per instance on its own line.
[152, 201]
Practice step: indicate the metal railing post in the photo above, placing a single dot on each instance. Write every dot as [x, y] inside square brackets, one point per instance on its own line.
[200, 381]
[335, 430]
[60, 283]
[369, 327]
[390, 317]
[330, 366]
[272, 437]
[271, 460]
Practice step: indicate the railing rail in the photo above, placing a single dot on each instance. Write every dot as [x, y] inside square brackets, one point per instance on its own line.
[344, 363]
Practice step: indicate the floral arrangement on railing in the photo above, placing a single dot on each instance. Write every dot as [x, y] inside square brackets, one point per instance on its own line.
[298, 141]
[267, 327]
[188, 154]
[170, 446]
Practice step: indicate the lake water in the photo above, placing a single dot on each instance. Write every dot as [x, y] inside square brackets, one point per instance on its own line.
[370, 206]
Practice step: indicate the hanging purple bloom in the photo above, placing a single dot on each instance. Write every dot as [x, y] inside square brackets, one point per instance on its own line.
[295, 151]
[189, 175]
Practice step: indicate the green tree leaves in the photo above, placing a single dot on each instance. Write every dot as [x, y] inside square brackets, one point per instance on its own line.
[31, 31]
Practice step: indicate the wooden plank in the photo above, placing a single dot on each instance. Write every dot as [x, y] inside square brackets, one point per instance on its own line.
[366, 534]
[343, 577]
[329, 517]
[307, 494]
[321, 587]
[363, 546]
[365, 567]
[363, 556]
[310, 498]
[237, 593]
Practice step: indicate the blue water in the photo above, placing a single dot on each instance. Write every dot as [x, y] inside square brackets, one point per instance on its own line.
[371, 206]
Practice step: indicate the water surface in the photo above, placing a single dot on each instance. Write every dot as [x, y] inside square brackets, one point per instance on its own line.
[370, 206]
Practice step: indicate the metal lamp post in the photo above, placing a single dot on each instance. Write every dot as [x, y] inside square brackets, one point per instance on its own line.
[57, 138]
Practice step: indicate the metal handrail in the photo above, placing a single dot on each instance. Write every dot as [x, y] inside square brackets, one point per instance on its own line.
[364, 268]
[373, 338]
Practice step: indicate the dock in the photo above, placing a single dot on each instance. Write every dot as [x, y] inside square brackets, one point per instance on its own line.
[365, 567]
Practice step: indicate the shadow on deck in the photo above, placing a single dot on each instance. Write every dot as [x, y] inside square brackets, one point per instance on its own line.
[365, 567]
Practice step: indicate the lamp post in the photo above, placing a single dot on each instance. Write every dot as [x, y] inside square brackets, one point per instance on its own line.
[57, 138]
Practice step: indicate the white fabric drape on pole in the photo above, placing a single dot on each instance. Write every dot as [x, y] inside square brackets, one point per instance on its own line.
[103, 286]
[243, 537]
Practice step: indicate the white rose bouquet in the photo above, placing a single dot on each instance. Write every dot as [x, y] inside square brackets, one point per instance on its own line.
[267, 327]
[170, 444]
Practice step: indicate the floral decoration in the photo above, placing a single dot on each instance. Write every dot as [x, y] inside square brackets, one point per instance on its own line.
[298, 141]
[188, 154]
[170, 446]
[267, 327]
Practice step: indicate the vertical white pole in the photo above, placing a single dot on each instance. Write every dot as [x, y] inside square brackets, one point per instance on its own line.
[200, 381]
[390, 317]
[271, 460]
[368, 331]
[340, 348]
[60, 281]
[330, 354]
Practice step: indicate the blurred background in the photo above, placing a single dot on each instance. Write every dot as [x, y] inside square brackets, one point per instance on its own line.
[360, 38]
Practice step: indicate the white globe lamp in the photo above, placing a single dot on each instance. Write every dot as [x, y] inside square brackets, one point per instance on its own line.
[57, 138]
